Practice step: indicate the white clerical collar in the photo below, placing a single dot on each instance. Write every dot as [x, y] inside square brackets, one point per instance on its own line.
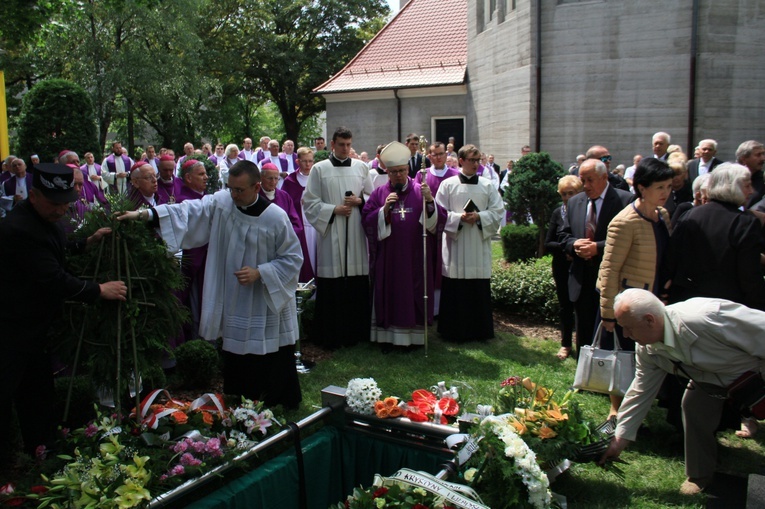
[468, 176]
[338, 159]
[170, 181]
[251, 204]
[270, 194]
[302, 179]
[150, 200]
[439, 173]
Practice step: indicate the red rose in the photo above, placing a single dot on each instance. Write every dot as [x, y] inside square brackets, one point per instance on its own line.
[381, 491]
[38, 489]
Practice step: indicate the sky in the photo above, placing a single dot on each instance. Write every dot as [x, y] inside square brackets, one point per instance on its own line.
[393, 4]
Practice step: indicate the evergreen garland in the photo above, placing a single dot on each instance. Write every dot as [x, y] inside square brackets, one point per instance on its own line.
[142, 325]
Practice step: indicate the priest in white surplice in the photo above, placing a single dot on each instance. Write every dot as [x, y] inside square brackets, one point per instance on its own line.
[253, 263]
[474, 210]
[332, 203]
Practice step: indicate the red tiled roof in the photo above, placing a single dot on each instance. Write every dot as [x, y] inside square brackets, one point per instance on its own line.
[425, 44]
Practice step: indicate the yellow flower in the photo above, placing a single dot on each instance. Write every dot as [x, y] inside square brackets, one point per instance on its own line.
[380, 502]
[470, 474]
[131, 494]
[527, 384]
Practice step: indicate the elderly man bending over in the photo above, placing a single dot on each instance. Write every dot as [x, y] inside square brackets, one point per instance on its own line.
[712, 341]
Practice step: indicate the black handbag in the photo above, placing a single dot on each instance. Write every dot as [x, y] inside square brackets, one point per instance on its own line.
[747, 393]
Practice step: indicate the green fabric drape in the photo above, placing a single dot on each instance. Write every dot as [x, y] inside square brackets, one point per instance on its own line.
[335, 460]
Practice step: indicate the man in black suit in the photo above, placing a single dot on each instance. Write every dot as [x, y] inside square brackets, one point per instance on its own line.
[752, 155]
[706, 161]
[492, 164]
[583, 237]
[415, 161]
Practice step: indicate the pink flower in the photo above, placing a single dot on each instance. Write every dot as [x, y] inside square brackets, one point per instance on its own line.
[177, 470]
[212, 447]
[65, 432]
[512, 381]
[91, 430]
[41, 452]
[199, 447]
[261, 422]
[7, 489]
[180, 447]
[189, 460]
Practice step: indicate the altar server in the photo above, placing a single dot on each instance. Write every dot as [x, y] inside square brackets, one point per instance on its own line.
[253, 261]
[474, 211]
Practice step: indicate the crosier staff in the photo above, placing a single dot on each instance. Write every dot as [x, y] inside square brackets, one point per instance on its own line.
[424, 174]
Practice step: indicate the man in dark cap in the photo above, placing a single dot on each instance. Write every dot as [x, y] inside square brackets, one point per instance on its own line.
[31, 236]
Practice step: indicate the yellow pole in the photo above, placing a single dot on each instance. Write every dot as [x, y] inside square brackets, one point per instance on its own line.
[4, 146]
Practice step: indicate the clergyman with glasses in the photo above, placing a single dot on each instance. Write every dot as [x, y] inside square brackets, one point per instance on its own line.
[248, 299]
[474, 210]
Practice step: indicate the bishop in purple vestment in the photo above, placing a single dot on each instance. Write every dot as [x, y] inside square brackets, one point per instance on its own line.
[194, 181]
[392, 218]
[169, 186]
[269, 178]
[294, 186]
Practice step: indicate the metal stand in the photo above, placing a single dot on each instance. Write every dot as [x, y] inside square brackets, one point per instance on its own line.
[304, 292]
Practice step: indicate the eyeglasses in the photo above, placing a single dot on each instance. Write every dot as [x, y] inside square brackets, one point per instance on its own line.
[239, 190]
[606, 159]
[150, 179]
[475, 160]
[397, 172]
[437, 154]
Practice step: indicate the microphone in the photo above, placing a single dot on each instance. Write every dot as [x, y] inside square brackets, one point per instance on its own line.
[398, 188]
[349, 193]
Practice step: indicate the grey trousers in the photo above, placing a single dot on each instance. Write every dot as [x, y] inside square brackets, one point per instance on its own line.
[702, 408]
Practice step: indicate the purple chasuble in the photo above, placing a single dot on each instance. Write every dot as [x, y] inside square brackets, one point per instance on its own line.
[193, 271]
[284, 201]
[295, 191]
[169, 193]
[398, 263]
[434, 182]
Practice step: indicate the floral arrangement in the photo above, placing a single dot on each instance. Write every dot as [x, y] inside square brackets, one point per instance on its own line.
[425, 406]
[362, 394]
[506, 472]
[388, 408]
[407, 489]
[404, 497]
[121, 464]
[555, 430]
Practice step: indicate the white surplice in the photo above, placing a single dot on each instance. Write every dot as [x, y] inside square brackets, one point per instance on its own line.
[254, 319]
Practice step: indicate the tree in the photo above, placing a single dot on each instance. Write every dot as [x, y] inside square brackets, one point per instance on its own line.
[282, 49]
[532, 190]
[57, 115]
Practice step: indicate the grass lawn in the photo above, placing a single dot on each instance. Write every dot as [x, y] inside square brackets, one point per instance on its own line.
[655, 470]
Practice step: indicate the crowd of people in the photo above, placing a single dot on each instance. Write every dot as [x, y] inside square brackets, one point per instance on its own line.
[684, 257]
[393, 242]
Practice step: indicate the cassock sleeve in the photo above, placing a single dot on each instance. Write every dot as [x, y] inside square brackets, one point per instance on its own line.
[453, 218]
[280, 274]
[186, 225]
[491, 217]
[318, 213]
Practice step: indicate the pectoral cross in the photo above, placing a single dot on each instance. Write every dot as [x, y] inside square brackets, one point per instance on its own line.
[401, 211]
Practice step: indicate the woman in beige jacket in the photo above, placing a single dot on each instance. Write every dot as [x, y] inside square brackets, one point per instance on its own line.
[636, 241]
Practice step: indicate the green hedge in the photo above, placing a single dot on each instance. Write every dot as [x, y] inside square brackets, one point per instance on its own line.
[526, 288]
[519, 242]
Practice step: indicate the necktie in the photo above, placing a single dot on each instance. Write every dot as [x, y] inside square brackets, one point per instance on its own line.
[413, 164]
[592, 220]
